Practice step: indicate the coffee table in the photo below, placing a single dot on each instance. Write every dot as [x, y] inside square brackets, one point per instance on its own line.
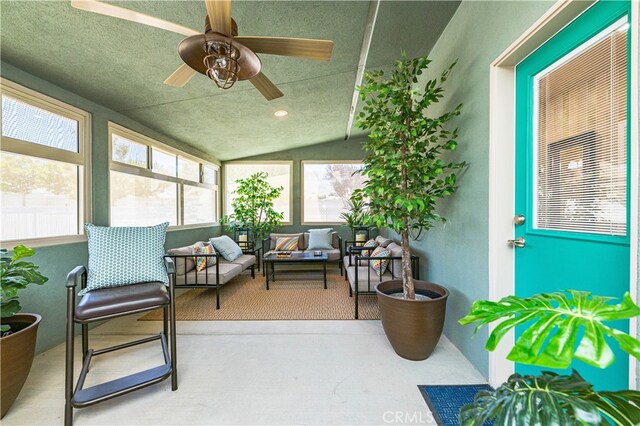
[295, 258]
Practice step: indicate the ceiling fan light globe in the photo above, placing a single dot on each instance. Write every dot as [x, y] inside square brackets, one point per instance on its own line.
[222, 63]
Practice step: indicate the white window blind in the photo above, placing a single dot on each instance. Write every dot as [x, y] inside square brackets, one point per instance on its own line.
[580, 140]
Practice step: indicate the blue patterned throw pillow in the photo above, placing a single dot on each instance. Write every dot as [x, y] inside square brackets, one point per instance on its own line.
[125, 255]
[228, 248]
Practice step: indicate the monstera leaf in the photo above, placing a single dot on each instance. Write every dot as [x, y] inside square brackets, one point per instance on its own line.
[555, 325]
[551, 399]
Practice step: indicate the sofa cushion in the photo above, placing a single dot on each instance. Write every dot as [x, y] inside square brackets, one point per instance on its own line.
[371, 243]
[367, 278]
[228, 248]
[335, 240]
[380, 265]
[382, 241]
[184, 264]
[125, 255]
[332, 254]
[396, 266]
[302, 240]
[204, 261]
[245, 261]
[227, 270]
[320, 239]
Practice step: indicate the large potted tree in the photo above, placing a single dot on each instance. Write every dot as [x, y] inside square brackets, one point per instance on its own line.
[406, 174]
[19, 331]
[253, 208]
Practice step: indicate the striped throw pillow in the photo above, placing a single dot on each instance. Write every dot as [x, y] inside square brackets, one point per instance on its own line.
[204, 261]
[380, 265]
[371, 243]
[287, 244]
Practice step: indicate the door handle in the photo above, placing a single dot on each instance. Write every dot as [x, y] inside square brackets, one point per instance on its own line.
[518, 242]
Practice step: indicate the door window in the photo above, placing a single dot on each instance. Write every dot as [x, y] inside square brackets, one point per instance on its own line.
[580, 140]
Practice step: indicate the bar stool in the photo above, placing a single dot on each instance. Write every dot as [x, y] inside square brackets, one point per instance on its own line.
[107, 303]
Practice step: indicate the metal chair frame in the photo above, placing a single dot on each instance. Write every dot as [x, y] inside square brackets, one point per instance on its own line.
[79, 397]
[355, 252]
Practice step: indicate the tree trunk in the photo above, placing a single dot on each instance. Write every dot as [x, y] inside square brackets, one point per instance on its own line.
[407, 276]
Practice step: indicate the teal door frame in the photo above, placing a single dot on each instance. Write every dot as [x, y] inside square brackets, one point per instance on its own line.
[502, 163]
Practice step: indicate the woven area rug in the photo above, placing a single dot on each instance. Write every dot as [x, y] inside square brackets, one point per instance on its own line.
[445, 401]
[292, 297]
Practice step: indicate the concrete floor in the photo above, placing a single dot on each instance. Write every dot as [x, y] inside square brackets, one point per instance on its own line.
[251, 373]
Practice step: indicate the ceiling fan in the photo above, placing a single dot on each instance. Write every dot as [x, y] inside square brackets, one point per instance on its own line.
[219, 53]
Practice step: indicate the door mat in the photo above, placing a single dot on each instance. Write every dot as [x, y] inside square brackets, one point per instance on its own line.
[445, 401]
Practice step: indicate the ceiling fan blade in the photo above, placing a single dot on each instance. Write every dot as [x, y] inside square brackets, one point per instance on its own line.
[130, 15]
[181, 76]
[219, 12]
[266, 87]
[298, 47]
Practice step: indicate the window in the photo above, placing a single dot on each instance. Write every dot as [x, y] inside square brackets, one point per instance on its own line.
[44, 159]
[279, 174]
[151, 183]
[580, 138]
[326, 189]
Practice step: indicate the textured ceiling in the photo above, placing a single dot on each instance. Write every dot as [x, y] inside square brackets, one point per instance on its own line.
[122, 65]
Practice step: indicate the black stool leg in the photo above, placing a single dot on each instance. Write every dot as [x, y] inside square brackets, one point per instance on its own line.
[68, 382]
[172, 318]
[165, 321]
[85, 341]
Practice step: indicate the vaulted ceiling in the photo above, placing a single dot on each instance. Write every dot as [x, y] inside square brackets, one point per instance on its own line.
[122, 65]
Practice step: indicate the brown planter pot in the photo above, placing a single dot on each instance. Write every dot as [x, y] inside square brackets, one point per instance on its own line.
[413, 327]
[16, 357]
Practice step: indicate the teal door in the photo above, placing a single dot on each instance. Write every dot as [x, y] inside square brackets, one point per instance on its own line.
[572, 168]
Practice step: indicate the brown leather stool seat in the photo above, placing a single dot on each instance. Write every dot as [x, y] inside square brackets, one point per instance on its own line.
[119, 300]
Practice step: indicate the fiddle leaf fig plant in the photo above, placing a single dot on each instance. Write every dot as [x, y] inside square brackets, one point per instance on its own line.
[253, 206]
[15, 275]
[406, 169]
[559, 327]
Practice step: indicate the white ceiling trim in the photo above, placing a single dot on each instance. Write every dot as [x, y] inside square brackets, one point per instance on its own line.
[374, 5]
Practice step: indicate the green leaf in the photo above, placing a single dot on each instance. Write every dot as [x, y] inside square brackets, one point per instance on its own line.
[21, 251]
[554, 322]
[15, 275]
[9, 309]
[547, 399]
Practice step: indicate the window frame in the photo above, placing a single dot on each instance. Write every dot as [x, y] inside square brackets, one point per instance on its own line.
[255, 163]
[82, 158]
[328, 162]
[150, 143]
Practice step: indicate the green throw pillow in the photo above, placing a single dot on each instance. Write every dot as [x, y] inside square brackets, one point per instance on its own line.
[121, 256]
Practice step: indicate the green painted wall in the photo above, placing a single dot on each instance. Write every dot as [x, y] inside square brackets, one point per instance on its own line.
[456, 254]
[56, 261]
[335, 150]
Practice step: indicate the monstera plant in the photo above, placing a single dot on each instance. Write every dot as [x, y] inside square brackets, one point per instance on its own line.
[560, 327]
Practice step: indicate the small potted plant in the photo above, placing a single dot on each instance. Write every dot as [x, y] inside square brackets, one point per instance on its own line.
[356, 217]
[406, 173]
[552, 338]
[19, 330]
